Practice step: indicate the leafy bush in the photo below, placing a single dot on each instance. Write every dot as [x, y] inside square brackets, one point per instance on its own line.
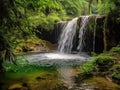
[116, 76]
[104, 62]
[105, 6]
[75, 7]
[88, 68]
[115, 72]
[23, 45]
[101, 63]
[115, 49]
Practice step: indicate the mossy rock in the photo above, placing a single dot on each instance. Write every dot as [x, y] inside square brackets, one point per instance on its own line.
[34, 44]
[104, 63]
[116, 68]
[115, 73]
[16, 86]
[40, 78]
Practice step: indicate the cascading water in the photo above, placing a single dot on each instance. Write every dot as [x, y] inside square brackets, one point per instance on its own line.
[66, 38]
[85, 39]
[94, 34]
[83, 28]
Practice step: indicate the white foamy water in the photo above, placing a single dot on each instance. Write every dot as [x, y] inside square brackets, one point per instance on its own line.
[51, 56]
[67, 36]
[83, 28]
[51, 59]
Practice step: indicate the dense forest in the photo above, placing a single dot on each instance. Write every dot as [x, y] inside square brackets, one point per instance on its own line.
[26, 25]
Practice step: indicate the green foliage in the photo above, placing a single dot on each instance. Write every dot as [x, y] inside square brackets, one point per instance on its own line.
[93, 54]
[26, 44]
[116, 76]
[116, 68]
[104, 62]
[101, 63]
[75, 7]
[115, 73]
[47, 23]
[44, 13]
[23, 68]
[91, 24]
[88, 68]
[104, 7]
[22, 65]
[12, 18]
[115, 49]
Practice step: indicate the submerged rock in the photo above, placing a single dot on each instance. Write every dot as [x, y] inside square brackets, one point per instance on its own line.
[39, 78]
[15, 86]
[18, 86]
[24, 85]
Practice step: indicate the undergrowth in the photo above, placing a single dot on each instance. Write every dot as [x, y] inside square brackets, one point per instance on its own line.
[105, 64]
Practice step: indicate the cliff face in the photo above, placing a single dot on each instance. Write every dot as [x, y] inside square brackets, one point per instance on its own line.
[113, 32]
[102, 32]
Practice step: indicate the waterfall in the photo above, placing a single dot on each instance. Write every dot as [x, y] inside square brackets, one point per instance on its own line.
[66, 38]
[94, 34]
[79, 39]
[83, 28]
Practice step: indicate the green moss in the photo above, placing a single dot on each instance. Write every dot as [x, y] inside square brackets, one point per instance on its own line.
[116, 76]
[88, 68]
[104, 62]
[91, 23]
[116, 68]
[100, 63]
[25, 68]
[25, 45]
[115, 49]
[47, 22]
[115, 73]
[102, 83]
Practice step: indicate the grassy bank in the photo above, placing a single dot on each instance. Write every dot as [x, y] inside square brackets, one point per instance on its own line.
[106, 65]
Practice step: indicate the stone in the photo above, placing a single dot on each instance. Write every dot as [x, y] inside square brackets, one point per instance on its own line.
[16, 86]
[39, 78]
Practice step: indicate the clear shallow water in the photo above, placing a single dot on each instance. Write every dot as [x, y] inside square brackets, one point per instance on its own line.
[65, 64]
[57, 71]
